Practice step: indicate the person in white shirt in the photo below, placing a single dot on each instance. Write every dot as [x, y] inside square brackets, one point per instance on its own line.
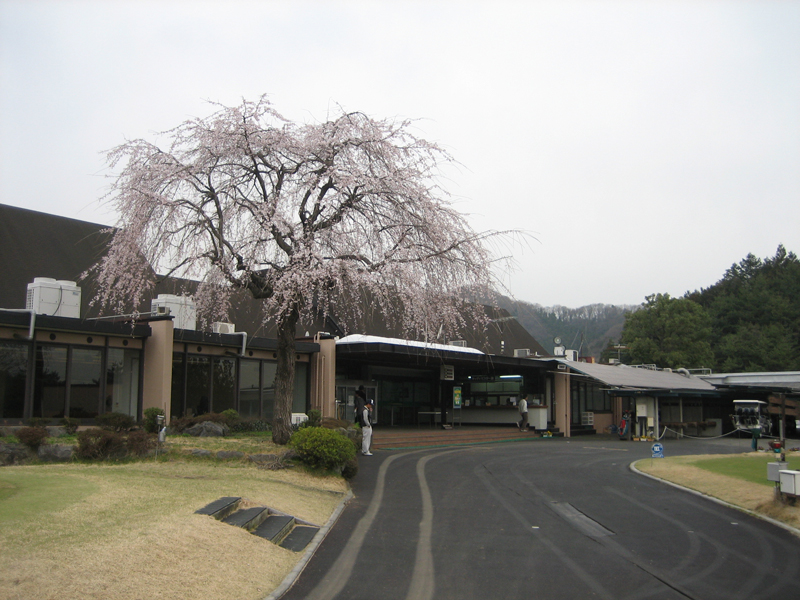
[366, 429]
[523, 411]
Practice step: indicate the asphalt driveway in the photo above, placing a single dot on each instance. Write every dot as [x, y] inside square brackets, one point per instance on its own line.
[547, 519]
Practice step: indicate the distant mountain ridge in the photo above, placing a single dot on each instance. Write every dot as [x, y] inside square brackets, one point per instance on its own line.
[587, 328]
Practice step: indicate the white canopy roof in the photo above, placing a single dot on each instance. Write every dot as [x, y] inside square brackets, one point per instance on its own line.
[374, 339]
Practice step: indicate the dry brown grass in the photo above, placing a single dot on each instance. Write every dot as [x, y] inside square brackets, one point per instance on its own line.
[757, 498]
[136, 535]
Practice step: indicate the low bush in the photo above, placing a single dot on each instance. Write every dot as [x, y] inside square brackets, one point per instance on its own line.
[115, 421]
[230, 416]
[350, 468]
[322, 448]
[179, 425]
[314, 419]
[150, 422]
[139, 443]
[251, 424]
[32, 437]
[94, 444]
[38, 422]
[70, 425]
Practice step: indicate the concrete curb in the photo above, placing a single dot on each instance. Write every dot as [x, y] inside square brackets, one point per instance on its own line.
[289, 580]
[780, 524]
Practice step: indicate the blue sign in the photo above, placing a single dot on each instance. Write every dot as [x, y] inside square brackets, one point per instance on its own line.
[658, 450]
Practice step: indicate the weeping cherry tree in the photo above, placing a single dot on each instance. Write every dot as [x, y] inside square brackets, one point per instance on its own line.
[306, 217]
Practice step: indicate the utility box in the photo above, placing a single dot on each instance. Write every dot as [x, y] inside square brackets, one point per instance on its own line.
[56, 298]
[773, 470]
[298, 418]
[537, 418]
[790, 482]
[181, 307]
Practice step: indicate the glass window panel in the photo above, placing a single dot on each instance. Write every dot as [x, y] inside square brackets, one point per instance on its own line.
[249, 393]
[13, 370]
[122, 381]
[84, 385]
[224, 387]
[177, 399]
[198, 382]
[300, 403]
[268, 388]
[50, 393]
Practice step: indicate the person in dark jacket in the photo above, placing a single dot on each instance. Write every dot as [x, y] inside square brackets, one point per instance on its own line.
[360, 401]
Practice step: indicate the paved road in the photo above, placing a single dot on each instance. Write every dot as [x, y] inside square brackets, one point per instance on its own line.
[547, 519]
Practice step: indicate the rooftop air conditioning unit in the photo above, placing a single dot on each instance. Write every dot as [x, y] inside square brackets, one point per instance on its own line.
[459, 343]
[298, 418]
[223, 328]
[182, 307]
[161, 311]
[47, 296]
[571, 355]
[522, 352]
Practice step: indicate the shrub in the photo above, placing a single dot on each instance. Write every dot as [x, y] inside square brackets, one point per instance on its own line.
[230, 416]
[115, 421]
[314, 419]
[139, 443]
[100, 444]
[150, 422]
[70, 425]
[251, 424]
[322, 448]
[32, 437]
[37, 422]
[350, 468]
[179, 425]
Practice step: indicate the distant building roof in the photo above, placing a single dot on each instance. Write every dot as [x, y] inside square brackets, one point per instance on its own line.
[785, 379]
[633, 378]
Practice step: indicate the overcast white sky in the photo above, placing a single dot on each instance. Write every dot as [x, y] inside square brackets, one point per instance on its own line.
[647, 145]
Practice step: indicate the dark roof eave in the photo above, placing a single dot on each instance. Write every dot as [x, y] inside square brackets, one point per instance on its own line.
[235, 341]
[22, 320]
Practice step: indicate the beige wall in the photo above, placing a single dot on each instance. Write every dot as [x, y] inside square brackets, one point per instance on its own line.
[323, 378]
[157, 384]
[562, 396]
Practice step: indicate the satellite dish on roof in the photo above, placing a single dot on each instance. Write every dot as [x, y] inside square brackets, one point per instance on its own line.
[557, 341]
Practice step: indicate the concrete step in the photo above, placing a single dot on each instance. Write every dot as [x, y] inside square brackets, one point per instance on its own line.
[248, 518]
[299, 537]
[276, 527]
[220, 509]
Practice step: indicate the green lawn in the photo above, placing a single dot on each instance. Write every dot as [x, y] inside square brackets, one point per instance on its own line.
[25, 495]
[112, 531]
[751, 467]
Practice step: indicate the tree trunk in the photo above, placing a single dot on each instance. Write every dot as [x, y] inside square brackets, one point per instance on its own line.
[284, 380]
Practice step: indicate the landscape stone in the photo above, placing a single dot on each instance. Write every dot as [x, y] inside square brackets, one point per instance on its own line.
[208, 429]
[230, 454]
[13, 454]
[56, 452]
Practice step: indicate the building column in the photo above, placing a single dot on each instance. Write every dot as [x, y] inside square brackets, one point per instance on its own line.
[563, 402]
[157, 380]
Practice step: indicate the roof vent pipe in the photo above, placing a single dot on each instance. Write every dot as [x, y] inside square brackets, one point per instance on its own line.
[684, 372]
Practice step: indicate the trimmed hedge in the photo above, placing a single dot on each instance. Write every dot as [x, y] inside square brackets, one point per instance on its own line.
[322, 448]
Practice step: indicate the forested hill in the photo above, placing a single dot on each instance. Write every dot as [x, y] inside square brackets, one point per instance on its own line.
[588, 328]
